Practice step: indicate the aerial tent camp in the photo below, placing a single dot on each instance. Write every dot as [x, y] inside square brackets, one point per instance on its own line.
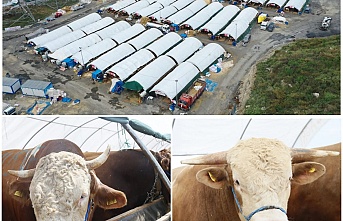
[185, 49]
[180, 4]
[50, 36]
[186, 13]
[145, 38]
[128, 34]
[151, 9]
[98, 25]
[52, 46]
[163, 44]
[82, 22]
[120, 5]
[113, 29]
[163, 13]
[134, 7]
[295, 4]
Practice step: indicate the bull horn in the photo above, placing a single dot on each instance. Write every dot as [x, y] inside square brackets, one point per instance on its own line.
[22, 173]
[301, 155]
[209, 159]
[97, 162]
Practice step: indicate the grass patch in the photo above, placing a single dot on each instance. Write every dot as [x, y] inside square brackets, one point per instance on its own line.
[285, 83]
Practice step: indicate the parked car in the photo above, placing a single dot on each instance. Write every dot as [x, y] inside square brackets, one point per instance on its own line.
[271, 27]
[247, 38]
[50, 19]
[307, 9]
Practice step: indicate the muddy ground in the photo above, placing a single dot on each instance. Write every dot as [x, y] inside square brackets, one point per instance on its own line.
[20, 62]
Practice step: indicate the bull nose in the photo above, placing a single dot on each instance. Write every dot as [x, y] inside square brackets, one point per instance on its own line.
[270, 215]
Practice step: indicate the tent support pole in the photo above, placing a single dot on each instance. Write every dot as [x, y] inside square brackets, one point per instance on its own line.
[148, 154]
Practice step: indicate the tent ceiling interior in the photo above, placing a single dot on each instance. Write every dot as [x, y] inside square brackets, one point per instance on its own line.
[90, 133]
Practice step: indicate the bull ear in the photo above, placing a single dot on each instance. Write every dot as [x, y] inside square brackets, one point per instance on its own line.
[19, 191]
[307, 172]
[108, 198]
[213, 177]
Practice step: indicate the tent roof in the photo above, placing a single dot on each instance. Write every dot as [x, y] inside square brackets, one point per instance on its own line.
[151, 73]
[128, 66]
[206, 56]
[135, 7]
[277, 2]
[183, 73]
[204, 15]
[247, 15]
[164, 13]
[187, 12]
[128, 33]
[166, 2]
[235, 29]
[145, 38]
[113, 56]
[298, 4]
[164, 43]
[180, 4]
[259, 1]
[82, 22]
[113, 29]
[50, 36]
[150, 9]
[185, 49]
[64, 40]
[88, 29]
[121, 4]
[221, 19]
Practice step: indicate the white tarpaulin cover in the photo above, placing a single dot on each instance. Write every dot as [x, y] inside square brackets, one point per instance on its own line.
[259, 1]
[221, 19]
[113, 56]
[129, 33]
[203, 16]
[128, 66]
[97, 25]
[82, 22]
[235, 29]
[151, 73]
[206, 56]
[183, 73]
[187, 12]
[135, 7]
[50, 36]
[144, 12]
[180, 4]
[185, 49]
[166, 2]
[297, 4]
[163, 44]
[164, 13]
[113, 29]
[74, 47]
[90, 133]
[247, 15]
[64, 40]
[277, 2]
[87, 54]
[121, 4]
[145, 38]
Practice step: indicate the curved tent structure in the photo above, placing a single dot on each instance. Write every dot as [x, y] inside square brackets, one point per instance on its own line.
[74, 47]
[150, 74]
[164, 13]
[120, 5]
[203, 16]
[130, 65]
[113, 56]
[82, 22]
[247, 15]
[278, 3]
[187, 12]
[183, 73]
[220, 20]
[297, 4]
[145, 38]
[151, 9]
[97, 25]
[163, 44]
[113, 29]
[135, 7]
[50, 36]
[185, 49]
[166, 2]
[87, 54]
[259, 1]
[64, 40]
[206, 56]
[235, 29]
[127, 34]
[180, 4]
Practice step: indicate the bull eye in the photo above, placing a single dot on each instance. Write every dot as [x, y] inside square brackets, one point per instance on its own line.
[237, 182]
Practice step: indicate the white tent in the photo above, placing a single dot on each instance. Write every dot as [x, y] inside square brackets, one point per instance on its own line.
[297, 4]
[258, 1]
[129, 33]
[279, 3]
[166, 2]
[135, 7]
[130, 65]
[185, 49]
[180, 4]
[215, 134]
[97, 25]
[90, 133]
[206, 56]
[203, 16]
[164, 13]
[235, 29]
[87, 54]
[187, 12]
[63, 40]
[145, 38]
[151, 9]
[163, 44]
[247, 15]
[183, 73]
[82, 22]
[113, 56]
[113, 29]
[151, 73]
[221, 19]
[120, 5]
[50, 36]
[74, 47]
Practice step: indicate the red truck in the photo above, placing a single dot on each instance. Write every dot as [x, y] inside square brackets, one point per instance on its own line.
[187, 99]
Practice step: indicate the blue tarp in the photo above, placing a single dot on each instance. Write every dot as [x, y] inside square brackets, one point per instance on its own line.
[118, 87]
[96, 73]
[210, 85]
[70, 62]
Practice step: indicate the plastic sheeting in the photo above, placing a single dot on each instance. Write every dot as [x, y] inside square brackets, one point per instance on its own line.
[144, 12]
[206, 56]
[150, 74]
[127, 67]
[135, 7]
[121, 4]
[187, 12]
[203, 16]
[50, 36]
[164, 13]
[221, 19]
[113, 56]
[63, 40]
[145, 38]
[180, 4]
[163, 44]
[185, 49]
[297, 4]
[129, 33]
[98, 25]
[247, 15]
[184, 73]
[82, 22]
[113, 29]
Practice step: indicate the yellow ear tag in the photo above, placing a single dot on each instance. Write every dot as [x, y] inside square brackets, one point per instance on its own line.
[111, 202]
[212, 177]
[312, 170]
[18, 193]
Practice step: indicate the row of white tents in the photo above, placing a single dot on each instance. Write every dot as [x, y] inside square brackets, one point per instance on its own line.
[297, 4]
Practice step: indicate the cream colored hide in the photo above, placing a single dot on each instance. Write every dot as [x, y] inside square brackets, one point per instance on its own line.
[261, 171]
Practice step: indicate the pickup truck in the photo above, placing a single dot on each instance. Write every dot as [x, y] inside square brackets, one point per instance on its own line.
[193, 93]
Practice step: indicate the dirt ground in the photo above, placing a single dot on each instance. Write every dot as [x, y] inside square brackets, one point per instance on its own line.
[20, 62]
